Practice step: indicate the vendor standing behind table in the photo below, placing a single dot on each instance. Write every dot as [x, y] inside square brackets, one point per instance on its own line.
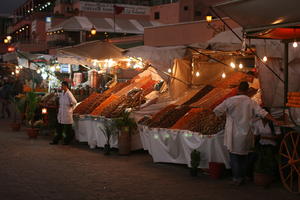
[67, 102]
[238, 138]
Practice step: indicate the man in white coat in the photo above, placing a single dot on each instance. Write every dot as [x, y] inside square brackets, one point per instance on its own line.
[67, 102]
[238, 137]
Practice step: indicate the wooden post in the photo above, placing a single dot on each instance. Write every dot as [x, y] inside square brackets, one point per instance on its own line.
[286, 70]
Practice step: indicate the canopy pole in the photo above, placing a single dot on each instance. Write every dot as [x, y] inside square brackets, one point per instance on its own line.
[286, 71]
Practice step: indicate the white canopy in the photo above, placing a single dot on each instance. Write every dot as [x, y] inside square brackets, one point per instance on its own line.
[93, 50]
[82, 23]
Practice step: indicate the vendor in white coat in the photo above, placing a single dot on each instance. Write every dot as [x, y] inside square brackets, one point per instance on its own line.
[238, 138]
[67, 103]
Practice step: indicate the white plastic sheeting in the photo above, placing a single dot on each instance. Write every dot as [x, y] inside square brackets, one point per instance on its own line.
[160, 57]
[90, 130]
[175, 146]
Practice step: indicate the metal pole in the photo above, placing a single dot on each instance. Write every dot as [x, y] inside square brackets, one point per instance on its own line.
[286, 70]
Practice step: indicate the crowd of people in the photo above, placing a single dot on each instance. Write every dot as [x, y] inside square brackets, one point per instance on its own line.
[8, 89]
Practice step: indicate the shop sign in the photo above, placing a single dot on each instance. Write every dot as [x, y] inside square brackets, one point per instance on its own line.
[109, 8]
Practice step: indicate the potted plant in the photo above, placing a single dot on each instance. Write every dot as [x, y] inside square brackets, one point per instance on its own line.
[126, 126]
[108, 130]
[19, 105]
[265, 166]
[31, 107]
[195, 162]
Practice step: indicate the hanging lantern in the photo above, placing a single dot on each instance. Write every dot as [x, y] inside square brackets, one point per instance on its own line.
[93, 30]
[208, 18]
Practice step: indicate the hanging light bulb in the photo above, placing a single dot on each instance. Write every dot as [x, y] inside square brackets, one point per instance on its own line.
[232, 65]
[241, 66]
[265, 59]
[295, 44]
[170, 70]
[197, 74]
[223, 75]
[21, 67]
[13, 73]
[17, 71]
[38, 71]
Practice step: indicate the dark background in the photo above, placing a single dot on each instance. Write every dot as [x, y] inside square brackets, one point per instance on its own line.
[7, 6]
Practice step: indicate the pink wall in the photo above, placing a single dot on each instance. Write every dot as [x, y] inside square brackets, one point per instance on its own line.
[181, 34]
[169, 13]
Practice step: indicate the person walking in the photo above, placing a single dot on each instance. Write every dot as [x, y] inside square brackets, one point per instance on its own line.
[240, 111]
[5, 95]
[67, 102]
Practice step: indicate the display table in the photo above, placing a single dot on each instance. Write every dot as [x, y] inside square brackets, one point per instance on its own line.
[175, 146]
[91, 130]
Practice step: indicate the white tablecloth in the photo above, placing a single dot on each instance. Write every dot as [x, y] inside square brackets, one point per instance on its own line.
[90, 130]
[175, 146]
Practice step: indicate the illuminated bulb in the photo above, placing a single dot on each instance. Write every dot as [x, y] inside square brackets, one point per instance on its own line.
[232, 65]
[208, 18]
[265, 58]
[241, 66]
[13, 73]
[8, 37]
[295, 44]
[44, 111]
[170, 70]
[6, 41]
[197, 74]
[21, 67]
[93, 31]
[38, 71]
[192, 64]
[17, 71]
[223, 75]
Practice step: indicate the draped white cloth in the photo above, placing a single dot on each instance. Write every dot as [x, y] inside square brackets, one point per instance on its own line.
[91, 130]
[175, 146]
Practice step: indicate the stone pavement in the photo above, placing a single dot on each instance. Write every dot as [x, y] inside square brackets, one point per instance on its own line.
[35, 170]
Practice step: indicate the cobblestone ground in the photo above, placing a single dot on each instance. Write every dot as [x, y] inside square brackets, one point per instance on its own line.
[35, 170]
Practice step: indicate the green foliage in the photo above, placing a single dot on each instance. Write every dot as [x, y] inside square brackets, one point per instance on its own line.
[266, 162]
[109, 130]
[195, 158]
[125, 122]
[31, 106]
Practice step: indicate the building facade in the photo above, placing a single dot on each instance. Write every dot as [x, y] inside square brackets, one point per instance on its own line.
[40, 25]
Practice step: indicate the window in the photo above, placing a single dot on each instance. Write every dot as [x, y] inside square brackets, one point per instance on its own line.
[156, 15]
[185, 8]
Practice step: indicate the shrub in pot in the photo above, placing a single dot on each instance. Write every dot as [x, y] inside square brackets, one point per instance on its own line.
[30, 115]
[126, 126]
[108, 130]
[195, 162]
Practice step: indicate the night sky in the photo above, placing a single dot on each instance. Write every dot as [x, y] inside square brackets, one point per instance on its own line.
[7, 6]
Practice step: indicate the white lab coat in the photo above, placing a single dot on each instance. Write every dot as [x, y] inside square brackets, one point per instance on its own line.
[240, 112]
[65, 112]
[265, 130]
